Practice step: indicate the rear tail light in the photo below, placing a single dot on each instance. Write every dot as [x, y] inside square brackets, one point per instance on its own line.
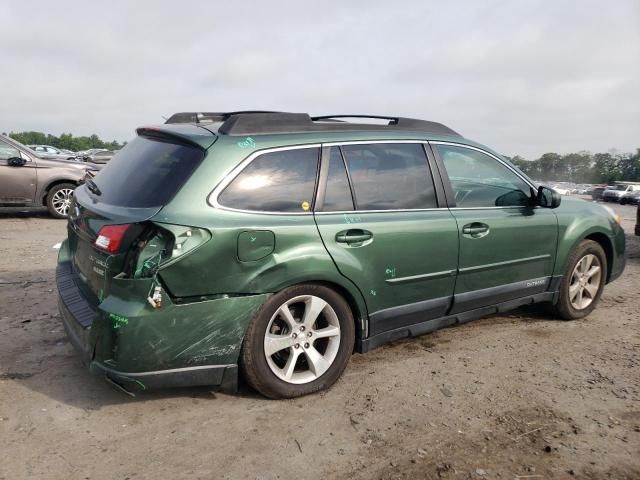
[110, 237]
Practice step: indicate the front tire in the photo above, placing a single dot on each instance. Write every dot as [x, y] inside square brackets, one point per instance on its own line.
[299, 342]
[583, 281]
[59, 199]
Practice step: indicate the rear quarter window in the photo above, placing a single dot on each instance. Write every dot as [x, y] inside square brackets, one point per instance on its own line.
[147, 172]
[281, 181]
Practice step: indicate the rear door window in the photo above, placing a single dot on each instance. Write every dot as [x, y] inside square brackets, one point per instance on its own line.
[390, 176]
[147, 172]
[280, 181]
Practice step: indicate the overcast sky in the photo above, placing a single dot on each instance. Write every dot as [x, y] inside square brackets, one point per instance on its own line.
[524, 77]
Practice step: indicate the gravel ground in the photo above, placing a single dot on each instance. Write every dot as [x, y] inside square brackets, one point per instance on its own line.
[517, 396]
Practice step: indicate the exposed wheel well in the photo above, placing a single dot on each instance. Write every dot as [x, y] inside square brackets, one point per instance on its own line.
[358, 316]
[605, 243]
[43, 200]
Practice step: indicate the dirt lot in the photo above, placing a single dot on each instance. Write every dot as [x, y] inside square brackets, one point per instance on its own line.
[512, 396]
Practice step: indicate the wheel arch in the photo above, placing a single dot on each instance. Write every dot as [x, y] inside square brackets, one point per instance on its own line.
[358, 310]
[47, 188]
[594, 235]
[605, 242]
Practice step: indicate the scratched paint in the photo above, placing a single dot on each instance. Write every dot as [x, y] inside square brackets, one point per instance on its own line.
[351, 218]
[247, 143]
[118, 321]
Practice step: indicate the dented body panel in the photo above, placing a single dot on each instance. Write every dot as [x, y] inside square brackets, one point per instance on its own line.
[126, 335]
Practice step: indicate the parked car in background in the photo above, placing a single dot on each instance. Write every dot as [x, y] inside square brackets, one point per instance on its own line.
[632, 198]
[596, 191]
[28, 180]
[276, 244]
[561, 189]
[613, 193]
[86, 153]
[583, 189]
[100, 157]
[47, 151]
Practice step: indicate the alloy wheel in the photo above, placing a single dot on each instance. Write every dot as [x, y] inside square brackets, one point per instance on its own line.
[585, 282]
[302, 339]
[61, 201]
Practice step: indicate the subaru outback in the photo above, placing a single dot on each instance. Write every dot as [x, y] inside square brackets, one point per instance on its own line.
[274, 245]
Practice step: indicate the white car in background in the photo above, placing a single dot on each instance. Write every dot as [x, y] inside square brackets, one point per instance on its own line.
[47, 151]
[561, 189]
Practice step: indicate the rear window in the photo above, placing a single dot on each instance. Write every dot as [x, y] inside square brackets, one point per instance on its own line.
[147, 172]
[281, 181]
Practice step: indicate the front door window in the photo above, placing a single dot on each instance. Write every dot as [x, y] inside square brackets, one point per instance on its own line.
[479, 180]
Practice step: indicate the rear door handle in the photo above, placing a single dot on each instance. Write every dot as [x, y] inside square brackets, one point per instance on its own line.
[476, 229]
[353, 236]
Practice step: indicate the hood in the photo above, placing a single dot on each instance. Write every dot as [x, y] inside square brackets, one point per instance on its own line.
[55, 162]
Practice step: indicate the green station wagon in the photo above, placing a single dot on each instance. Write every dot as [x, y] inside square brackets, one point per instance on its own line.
[275, 245]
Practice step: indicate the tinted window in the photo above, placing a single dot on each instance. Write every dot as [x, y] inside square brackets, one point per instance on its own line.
[390, 176]
[337, 196]
[275, 182]
[479, 180]
[147, 172]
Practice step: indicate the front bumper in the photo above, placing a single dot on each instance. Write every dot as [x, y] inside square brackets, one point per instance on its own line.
[133, 344]
[619, 260]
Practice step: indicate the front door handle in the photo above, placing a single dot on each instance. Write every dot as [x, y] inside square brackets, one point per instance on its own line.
[476, 229]
[353, 236]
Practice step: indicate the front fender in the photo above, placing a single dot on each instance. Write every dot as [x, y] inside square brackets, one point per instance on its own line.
[578, 220]
[43, 189]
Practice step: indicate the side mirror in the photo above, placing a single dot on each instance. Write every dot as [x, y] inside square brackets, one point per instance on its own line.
[548, 197]
[16, 162]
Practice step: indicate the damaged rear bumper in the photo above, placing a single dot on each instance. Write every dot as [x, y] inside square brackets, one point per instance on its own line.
[139, 347]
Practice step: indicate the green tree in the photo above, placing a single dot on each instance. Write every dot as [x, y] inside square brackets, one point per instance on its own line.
[577, 167]
[549, 165]
[606, 168]
[629, 165]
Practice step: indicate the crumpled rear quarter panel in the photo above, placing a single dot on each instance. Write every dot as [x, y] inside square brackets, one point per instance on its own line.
[131, 336]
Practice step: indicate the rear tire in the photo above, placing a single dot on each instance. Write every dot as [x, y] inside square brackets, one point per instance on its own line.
[299, 342]
[583, 281]
[59, 199]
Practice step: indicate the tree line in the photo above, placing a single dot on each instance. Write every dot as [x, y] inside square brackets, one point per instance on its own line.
[65, 140]
[582, 167]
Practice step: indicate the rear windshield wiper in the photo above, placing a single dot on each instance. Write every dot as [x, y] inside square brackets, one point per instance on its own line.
[91, 185]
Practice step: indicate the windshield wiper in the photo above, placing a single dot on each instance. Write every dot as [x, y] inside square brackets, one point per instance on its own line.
[91, 185]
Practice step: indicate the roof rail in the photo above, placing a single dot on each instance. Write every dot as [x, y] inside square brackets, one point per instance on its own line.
[257, 122]
[392, 120]
[207, 117]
